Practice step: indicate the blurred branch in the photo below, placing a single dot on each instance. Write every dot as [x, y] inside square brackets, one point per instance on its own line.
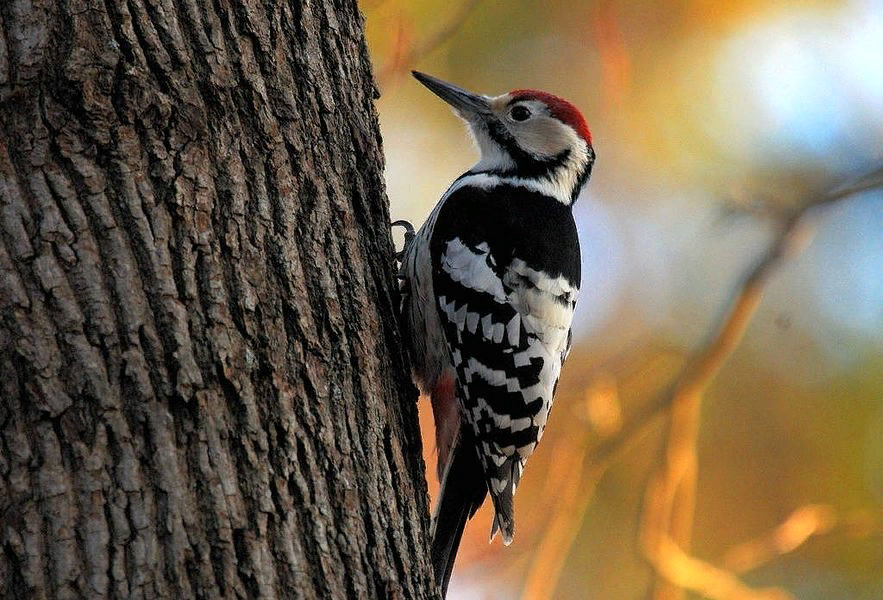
[669, 501]
[403, 59]
[812, 520]
[803, 524]
[706, 580]
[747, 292]
[602, 405]
[571, 501]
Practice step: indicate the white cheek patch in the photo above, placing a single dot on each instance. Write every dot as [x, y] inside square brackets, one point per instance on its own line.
[543, 136]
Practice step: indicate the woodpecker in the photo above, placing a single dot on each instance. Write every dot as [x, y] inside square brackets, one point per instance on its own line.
[490, 285]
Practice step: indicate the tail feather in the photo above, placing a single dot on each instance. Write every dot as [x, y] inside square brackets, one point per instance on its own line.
[503, 482]
[504, 522]
[463, 490]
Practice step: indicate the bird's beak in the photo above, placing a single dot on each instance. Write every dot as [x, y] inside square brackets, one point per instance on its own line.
[466, 103]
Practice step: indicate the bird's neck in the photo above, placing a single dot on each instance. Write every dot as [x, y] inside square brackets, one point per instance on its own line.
[560, 177]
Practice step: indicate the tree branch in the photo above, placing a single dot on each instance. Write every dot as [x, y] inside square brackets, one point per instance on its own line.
[744, 294]
[805, 523]
[669, 500]
[572, 496]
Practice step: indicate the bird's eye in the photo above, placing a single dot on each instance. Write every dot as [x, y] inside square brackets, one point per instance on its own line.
[519, 113]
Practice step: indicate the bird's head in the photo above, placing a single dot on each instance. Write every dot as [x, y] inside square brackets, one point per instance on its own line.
[527, 134]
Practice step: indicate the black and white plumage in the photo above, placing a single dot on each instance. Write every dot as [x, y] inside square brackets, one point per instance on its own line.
[492, 279]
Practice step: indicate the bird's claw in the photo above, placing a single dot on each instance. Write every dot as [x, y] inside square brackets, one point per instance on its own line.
[409, 237]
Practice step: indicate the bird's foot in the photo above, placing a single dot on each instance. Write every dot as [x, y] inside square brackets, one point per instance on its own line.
[409, 237]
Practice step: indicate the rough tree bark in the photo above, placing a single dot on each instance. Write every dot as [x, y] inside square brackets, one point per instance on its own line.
[203, 388]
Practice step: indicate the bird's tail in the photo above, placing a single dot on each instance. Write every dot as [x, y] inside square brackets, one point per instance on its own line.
[463, 490]
[502, 481]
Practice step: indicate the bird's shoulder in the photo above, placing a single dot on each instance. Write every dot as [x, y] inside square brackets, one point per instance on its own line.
[508, 227]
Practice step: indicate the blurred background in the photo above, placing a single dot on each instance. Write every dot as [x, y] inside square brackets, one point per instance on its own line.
[710, 121]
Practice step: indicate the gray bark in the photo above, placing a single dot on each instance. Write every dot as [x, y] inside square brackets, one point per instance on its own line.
[203, 389]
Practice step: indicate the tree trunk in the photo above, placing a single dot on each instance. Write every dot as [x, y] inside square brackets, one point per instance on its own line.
[204, 393]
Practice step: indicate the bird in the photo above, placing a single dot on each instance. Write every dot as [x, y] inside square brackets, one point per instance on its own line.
[490, 283]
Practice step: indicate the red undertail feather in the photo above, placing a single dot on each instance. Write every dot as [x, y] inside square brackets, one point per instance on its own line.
[446, 411]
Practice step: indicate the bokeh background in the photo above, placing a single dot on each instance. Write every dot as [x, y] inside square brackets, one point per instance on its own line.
[710, 120]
